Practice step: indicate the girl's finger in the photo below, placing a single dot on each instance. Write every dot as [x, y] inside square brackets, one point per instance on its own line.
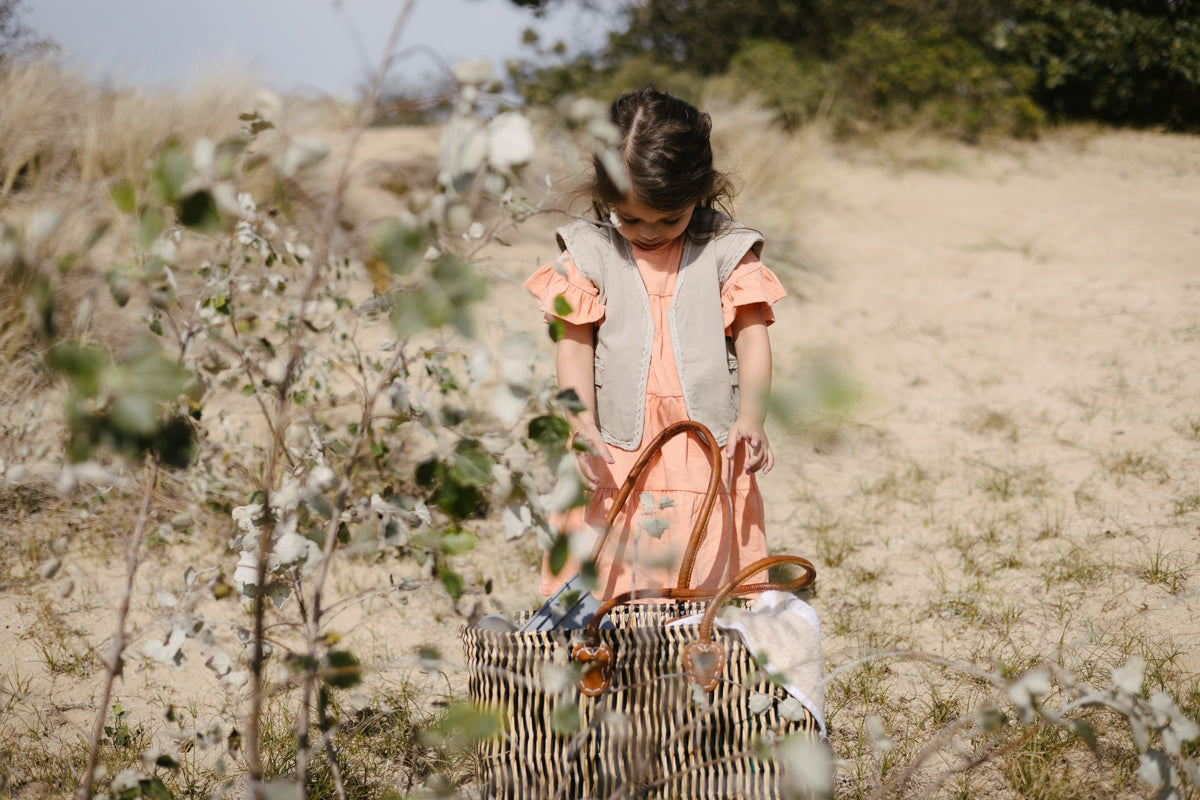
[731, 444]
[583, 461]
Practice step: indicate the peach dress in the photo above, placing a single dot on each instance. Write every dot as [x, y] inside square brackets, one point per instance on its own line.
[654, 528]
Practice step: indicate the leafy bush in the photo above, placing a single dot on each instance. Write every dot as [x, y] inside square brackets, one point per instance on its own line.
[899, 78]
[992, 67]
[884, 78]
[861, 76]
[706, 37]
[795, 88]
[1117, 65]
[251, 280]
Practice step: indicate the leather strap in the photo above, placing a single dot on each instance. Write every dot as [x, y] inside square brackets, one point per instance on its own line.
[700, 527]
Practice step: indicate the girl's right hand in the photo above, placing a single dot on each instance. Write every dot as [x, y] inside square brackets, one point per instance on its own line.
[591, 461]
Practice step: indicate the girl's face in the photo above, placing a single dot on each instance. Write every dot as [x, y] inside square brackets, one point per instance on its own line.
[648, 228]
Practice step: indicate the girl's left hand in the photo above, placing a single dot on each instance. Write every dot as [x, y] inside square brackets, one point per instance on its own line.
[758, 450]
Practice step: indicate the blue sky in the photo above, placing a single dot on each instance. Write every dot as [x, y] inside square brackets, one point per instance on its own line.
[291, 45]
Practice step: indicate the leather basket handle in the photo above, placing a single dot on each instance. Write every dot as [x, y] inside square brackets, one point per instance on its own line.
[596, 657]
[700, 527]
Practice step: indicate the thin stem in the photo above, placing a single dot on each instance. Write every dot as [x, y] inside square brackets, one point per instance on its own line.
[327, 740]
[265, 525]
[303, 745]
[114, 662]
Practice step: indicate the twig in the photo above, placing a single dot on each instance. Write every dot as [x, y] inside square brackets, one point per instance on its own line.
[114, 662]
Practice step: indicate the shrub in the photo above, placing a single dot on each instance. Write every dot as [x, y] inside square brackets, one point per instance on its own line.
[249, 278]
[991, 67]
[896, 77]
[794, 87]
[1139, 67]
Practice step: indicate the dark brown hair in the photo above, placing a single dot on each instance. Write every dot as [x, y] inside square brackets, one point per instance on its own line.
[666, 150]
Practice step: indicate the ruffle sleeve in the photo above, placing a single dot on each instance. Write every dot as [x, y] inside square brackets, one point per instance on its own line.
[750, 283]
[562, 279]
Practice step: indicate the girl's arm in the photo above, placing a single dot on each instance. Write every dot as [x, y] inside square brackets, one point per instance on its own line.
[576, 365]
[753, 347]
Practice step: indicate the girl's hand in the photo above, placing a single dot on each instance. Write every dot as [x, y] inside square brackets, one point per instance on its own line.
[758, 450]
[591, 460]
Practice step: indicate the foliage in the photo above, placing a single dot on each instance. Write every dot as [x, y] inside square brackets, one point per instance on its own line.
[128, 406]
[862, 66]
[705, 37]
[1110, 62]
[247, 286]
[905, 77]
[796, 88]
[966, 69]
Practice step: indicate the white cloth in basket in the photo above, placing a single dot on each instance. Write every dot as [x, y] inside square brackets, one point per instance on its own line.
[785, 632]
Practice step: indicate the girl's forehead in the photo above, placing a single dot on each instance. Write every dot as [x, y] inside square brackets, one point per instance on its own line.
[634, 208]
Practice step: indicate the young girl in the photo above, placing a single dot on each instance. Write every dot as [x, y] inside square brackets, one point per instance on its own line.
[669, 313]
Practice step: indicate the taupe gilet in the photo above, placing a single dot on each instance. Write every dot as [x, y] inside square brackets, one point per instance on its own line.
[704, 356]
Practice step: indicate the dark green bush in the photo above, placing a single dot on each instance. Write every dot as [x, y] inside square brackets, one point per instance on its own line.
[705, 36]
[1113, 65]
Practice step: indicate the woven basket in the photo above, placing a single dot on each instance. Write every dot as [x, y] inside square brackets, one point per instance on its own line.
[652, 734]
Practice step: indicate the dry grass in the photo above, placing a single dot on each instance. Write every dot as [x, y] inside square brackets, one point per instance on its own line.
[58, 130]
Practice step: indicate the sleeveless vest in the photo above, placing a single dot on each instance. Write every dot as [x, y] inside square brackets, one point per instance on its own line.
[704, 356]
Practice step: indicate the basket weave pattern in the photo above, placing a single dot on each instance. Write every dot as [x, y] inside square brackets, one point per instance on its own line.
[652, 735]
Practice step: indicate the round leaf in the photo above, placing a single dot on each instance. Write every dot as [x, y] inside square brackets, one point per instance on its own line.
[472, 466]
[343, 670]
[199, 212]
[401, 246]
[457, 541]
